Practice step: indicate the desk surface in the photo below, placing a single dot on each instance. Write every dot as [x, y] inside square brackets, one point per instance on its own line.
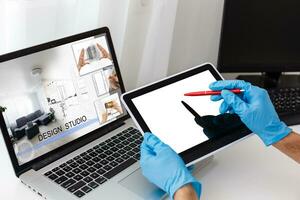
[247, 170]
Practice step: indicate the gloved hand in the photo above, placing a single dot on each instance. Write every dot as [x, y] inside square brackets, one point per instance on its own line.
[162, 166]
[220, 125]
[254, 108]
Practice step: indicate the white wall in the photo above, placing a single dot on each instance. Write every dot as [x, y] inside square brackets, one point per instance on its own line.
[114, 14]
[196, 34]
[195, 40]
[26, 23]
[136, 31]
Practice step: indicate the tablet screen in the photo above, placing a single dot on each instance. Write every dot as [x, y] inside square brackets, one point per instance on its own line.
[166, 116]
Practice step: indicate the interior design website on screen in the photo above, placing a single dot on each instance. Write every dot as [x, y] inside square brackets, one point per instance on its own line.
[169, 119]
[55, 96]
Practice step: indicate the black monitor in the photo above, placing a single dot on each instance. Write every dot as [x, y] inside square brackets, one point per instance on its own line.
[260, 36]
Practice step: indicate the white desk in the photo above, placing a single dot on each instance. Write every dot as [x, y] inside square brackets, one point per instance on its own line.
[245, 171]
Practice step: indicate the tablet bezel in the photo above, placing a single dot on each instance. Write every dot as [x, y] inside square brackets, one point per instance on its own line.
[201, 150]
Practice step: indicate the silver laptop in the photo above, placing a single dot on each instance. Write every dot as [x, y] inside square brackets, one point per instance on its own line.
[66, 131]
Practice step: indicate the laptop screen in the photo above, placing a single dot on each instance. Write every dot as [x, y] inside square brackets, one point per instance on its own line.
[55, 96]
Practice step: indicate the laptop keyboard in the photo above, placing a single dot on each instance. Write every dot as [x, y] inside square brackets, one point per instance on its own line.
[85, 172]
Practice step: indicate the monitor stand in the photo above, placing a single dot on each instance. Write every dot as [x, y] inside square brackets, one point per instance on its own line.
[270, 80]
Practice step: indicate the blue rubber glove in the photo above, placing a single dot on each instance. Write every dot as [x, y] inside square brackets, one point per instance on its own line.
[162, 166]
[254, 108]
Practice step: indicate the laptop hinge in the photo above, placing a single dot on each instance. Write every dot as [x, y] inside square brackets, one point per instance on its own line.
[73, 147]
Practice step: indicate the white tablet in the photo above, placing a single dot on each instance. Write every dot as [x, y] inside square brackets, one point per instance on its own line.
[192, 126]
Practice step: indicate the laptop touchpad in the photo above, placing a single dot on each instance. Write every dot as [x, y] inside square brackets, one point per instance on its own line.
[138, 184]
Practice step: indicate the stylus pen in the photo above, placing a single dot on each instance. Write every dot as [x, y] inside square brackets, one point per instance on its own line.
[210, 92]
[189, 108]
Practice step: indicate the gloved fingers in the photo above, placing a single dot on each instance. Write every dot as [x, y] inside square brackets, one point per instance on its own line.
[153, 142]
[146, 151]
[237, 104]
[231, 111]
[191, 168]
[216, 97]
[145, 147]
[229, 84]
[224, 107]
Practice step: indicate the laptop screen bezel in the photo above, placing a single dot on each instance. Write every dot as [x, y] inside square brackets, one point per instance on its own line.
[87, 138]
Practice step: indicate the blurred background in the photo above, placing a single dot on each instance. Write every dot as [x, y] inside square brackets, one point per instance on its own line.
[152, 38]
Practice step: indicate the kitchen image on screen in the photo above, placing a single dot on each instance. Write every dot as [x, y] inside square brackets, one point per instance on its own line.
[46, 103]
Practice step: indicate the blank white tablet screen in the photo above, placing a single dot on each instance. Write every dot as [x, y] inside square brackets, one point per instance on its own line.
[169, 120]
